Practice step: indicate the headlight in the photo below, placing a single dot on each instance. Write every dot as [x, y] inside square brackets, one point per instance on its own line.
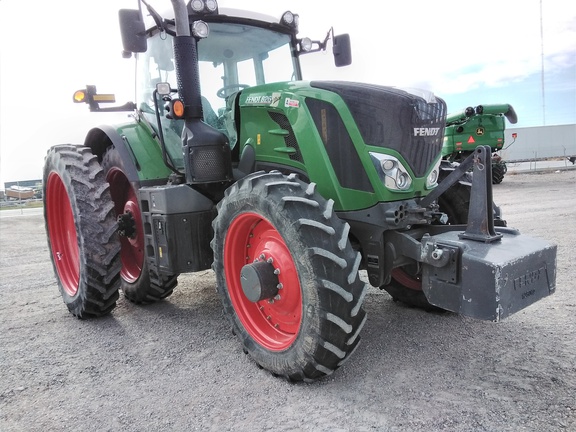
[306, 44]
[432, 179]
[296, 20]
[203, 7]
[200, 29]
[291, 20]
[211, 5]
[163, 89]
[388, 164]
[288, 18]
[403, 180]
[197, 5]
[393, 174]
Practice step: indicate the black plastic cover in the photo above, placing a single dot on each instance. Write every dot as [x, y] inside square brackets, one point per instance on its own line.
[177, 228]
[133, 30]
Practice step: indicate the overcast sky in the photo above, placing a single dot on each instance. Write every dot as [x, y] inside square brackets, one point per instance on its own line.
[467, 52]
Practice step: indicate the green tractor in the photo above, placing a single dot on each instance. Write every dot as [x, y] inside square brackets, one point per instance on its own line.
[287, 189]
[481, 126]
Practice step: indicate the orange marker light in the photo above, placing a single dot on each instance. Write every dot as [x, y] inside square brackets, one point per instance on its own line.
[79, 96]
[177, 108]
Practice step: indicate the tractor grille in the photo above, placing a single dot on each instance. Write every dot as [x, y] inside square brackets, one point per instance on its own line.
[339, 146]
[395, 119]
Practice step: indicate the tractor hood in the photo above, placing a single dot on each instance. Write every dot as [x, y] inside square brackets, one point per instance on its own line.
[344, 131]
[410, 122]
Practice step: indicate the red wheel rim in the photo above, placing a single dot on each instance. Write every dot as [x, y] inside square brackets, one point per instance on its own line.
[273, 324]
[409, 281]
[125, 200]
[62, 232]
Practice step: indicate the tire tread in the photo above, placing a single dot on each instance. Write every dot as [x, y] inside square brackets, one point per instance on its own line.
[332, 263]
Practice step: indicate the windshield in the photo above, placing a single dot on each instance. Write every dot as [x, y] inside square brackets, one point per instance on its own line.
[243, 55]
[233, 57]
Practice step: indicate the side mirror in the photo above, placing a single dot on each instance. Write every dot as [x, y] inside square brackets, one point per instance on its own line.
[133, 31]
[342, 50]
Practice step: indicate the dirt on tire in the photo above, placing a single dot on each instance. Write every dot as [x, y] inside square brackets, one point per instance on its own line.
[175, 365]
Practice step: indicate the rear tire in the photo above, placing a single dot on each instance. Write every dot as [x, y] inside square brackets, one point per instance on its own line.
[81, 229]
[310, 326]
[138, 284]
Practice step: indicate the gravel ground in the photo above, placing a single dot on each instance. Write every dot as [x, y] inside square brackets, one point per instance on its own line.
[175, 366]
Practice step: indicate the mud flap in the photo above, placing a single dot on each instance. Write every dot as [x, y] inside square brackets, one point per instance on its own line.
[490, 281]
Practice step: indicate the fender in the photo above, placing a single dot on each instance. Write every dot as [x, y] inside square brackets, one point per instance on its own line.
[140, 152]
[102, 137]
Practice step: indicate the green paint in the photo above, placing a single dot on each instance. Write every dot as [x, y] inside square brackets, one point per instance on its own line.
[146, 150]
[258, 127]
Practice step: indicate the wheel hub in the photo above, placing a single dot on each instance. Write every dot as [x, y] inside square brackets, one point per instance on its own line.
[262, 281]
[259, 281]
[126, 225]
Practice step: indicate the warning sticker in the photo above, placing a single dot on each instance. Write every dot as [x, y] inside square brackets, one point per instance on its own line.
[291, 103]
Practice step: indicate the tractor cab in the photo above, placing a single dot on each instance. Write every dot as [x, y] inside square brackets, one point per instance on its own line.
[233, 57]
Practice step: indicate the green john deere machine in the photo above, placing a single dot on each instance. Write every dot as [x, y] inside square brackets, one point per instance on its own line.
[484, 125]
[286, 188]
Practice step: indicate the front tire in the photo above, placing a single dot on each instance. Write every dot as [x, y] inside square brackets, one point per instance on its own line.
[81, 228]
[309, 321]
[139, 285]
